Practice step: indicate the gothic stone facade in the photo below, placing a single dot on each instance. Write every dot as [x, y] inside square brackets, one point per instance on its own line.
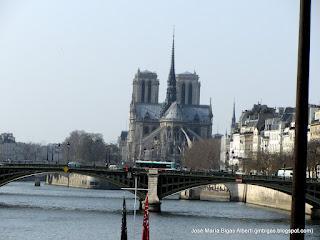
[162, 131]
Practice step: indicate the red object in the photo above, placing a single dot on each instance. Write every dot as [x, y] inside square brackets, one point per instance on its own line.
[145, 231]
[238, 178]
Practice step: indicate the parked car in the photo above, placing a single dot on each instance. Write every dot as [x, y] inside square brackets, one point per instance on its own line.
[113, 167]
[285, 173]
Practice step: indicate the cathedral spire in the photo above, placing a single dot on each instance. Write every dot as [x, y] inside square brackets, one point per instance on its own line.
[233, 121]
[171, 83]
[210, 110]
[171, 89]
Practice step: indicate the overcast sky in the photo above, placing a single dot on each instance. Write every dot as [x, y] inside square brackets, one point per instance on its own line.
[68, 65]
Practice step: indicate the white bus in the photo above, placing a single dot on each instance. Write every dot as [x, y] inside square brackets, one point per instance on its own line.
[155, 164]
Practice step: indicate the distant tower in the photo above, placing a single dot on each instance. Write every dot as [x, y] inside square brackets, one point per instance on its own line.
[233, 121]
[171, 87]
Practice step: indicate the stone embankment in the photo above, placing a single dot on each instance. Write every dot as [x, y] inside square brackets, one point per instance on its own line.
[217, 192]
[242, 193]
[78, 181]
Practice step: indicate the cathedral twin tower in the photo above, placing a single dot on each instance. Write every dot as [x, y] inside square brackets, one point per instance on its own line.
[183, 88]
[146, 88]
[161, 131]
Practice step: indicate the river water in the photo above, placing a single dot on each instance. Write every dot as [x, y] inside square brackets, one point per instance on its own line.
[52, 212]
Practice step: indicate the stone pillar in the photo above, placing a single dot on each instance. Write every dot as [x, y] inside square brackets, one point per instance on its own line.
[191, 194]
[154, 202]
[315, 213]
[238, 192]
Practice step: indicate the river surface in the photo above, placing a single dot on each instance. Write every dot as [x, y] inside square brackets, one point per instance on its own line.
[52, 212]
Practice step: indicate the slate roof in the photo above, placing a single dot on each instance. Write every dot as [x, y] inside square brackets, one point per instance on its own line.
[176, 112]
[148, 110]
[124, 135]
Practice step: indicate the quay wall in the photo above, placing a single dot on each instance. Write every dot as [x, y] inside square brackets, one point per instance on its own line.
[212, 192]
[78, 181]
[270, 198]
[251, 194]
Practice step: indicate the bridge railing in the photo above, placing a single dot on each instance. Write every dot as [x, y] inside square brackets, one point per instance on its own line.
[236, 176]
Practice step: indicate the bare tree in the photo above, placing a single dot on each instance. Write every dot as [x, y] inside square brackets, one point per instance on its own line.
[204, 154]
[313, 157]
[113, 154]
[269, 163]
[88, 148]
[30, 152]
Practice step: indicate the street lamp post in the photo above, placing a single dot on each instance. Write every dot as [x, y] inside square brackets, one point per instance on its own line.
[301, 123]
[106, 161]
[108, 150]
[47, 154]
[52, 149]
[92, 152]
[226, 162]
[68, 149]
[233, 157]
[58, 147]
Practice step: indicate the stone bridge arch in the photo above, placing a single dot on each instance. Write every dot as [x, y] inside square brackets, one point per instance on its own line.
[20, 176]
[163, 183]
[171, 183]
[119, 178]
[194, 192]
[12, 173]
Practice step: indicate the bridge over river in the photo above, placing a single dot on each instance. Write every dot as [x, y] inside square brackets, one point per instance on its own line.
[161, 184]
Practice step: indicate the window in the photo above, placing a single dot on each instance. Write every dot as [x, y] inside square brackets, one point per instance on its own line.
[145, 130]
[142, 90]
[190, 94]
[176, 133]
[149, 92]
[196, 118]
[183, 93]
[147, 116]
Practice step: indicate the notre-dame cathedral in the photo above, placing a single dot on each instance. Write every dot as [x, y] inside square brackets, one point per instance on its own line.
[162, 131]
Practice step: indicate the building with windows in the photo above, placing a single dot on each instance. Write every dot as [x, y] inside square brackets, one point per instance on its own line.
[245, 138]
[7, 147]
[122, 143]
[268, 130]
[314, 127]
